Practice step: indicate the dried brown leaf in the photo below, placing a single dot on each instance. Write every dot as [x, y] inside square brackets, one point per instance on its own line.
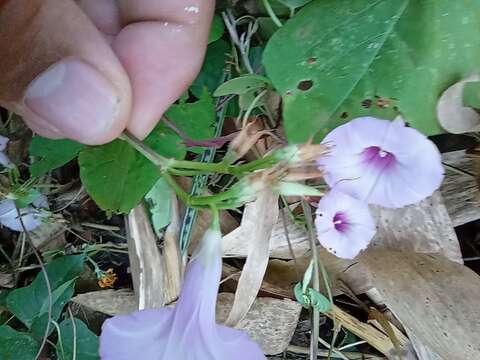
[434, 298]
[258, 220]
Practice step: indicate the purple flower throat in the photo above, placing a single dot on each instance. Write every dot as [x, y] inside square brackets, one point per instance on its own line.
[340, 221]
[379, 158]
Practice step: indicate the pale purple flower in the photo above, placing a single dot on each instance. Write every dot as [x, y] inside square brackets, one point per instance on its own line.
[344, 224]
[32, 216]
[186, 332]
[382, 162]
[4, 160]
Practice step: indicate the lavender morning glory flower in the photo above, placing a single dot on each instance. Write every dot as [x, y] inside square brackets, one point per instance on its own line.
[344, 224]
[32, 215]
[382, 162]
[186, 332]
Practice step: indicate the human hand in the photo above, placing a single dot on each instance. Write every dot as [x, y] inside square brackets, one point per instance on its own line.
[88, 69]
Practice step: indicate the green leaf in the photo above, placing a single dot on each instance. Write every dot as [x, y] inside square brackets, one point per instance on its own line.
[15, 345]
[213, 68]
[60, 297]
[266, 27]
[217, 29]
[242, 85]
[3, 298]
[25, 198]
[471, 94]
[196, 119]
[86, 342]
[165, 141]
[30, 303]
[51, 154]
[159, 199]
[370, 57]
[299, 295]
[294, 4]
[116, 176]
[318, 301]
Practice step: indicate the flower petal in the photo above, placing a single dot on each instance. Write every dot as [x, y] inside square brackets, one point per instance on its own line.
[143, 334]
[188, 332]
[355, 234]
[32, 217]
[414, 173]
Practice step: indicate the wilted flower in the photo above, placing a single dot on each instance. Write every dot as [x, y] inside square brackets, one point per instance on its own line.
[344, 224]
[381, 162]
[186, 332]
[244, 141]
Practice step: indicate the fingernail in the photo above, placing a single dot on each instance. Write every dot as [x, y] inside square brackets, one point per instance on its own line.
[74, 98]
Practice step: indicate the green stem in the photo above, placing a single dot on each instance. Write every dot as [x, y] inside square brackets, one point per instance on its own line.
[151, 155]
[179, 167]
[195, 165]
[211, 199]
[316, 280]
[251, 107]
[182, 195]
[271, 13]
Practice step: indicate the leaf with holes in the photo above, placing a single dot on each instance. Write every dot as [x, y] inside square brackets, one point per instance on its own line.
[76, 335]
[370, 57]
[30, 304]
[51, 154]
[242, 85]
[16, 345]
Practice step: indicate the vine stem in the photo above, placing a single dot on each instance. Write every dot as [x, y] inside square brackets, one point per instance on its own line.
[178, 166]
[316, 281]
[47, 283]
[151, 155]
[271, 13]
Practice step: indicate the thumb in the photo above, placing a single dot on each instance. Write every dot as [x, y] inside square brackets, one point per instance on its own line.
[59, 72]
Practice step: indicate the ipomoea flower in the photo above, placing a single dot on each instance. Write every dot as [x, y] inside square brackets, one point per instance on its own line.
[382, 162]
[188, 331]
[32, 216]
[344, 224]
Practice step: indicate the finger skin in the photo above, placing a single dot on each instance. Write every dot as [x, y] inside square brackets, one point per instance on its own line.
[38, 33]
[161, 46]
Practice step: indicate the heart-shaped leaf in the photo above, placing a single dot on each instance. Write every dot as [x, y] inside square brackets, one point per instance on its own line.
[370, 57]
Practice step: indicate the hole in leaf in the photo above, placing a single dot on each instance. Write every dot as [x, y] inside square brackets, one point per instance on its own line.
[305, 85]
[312, 60]
[367, 103]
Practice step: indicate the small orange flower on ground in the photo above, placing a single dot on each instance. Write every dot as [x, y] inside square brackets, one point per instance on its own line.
[107, 279]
